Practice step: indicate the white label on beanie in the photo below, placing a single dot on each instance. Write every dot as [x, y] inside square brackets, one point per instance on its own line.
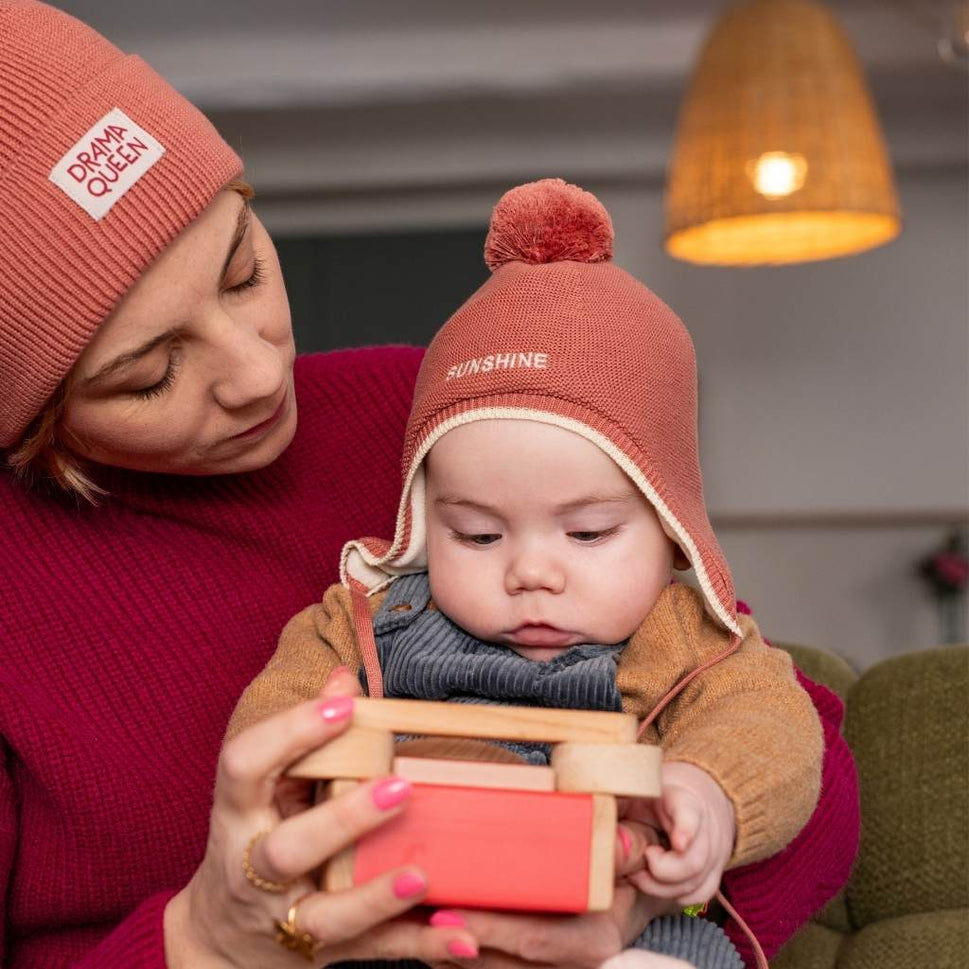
[105, 163]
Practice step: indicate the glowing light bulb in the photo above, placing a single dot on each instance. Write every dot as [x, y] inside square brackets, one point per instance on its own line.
[777, 173]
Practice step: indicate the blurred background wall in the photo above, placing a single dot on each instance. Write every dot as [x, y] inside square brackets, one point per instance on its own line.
[834, 395]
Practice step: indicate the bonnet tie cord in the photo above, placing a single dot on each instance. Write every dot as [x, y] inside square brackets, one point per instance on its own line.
[759, 956]
[656, 711]
[363, 622]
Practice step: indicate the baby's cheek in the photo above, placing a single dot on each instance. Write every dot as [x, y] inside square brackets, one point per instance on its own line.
[467, 595]
[449, 583]
[626, 604]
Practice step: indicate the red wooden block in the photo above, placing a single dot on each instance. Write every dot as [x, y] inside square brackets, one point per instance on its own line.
[481, 848]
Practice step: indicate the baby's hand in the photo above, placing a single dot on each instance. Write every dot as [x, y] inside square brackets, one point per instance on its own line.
[699, 824]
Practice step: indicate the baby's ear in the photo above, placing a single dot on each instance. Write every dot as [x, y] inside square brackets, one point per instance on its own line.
[680, 562]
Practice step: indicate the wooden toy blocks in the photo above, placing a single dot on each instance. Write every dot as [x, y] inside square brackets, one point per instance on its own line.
[492, 835]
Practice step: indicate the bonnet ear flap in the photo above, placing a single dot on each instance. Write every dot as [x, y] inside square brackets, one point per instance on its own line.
[374, 563]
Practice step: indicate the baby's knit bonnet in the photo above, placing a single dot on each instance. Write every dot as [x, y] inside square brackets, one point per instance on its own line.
[102, 164]
[560, 335]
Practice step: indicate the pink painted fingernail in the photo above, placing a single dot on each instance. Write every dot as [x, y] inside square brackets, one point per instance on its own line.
[409, 884]
[390, 792]
[624, 840]
[445, 919]
[335, 709]
[462, 950]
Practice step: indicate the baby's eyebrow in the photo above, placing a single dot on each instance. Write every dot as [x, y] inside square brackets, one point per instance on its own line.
[453, 501]
[576, 504]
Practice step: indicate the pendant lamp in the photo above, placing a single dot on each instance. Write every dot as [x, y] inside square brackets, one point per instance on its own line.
[778, 157]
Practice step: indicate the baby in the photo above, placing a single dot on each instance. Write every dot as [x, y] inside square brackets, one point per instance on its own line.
[551, 486]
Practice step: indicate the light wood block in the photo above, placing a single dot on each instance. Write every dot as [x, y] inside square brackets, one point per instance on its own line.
[338, 871]
[602, 854]
[359, 752]
[627, 770]
[495, 722]
[463, 773]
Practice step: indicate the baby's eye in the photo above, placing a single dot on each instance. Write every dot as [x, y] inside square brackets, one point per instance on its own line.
[590, 538]
[479, 541]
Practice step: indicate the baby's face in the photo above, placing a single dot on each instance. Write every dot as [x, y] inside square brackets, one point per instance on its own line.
[537, 539]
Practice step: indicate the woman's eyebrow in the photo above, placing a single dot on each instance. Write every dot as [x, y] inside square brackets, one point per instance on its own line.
[242, 223]
[130, 357]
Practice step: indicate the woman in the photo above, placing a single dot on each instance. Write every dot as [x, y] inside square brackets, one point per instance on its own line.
[162, 518]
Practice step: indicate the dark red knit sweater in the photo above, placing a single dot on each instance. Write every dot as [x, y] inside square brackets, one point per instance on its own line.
[129, 631]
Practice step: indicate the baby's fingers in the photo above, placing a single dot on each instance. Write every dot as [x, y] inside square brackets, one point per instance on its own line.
[675, 866]
[682, 893]
[685, 814]
[669, 877]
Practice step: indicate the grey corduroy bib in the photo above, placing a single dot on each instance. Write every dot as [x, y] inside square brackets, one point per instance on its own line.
[424, 655]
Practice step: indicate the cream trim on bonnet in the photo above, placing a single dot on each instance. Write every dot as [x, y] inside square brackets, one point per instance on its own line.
[375, 570]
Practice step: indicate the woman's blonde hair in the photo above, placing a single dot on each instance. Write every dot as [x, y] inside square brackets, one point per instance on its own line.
[44, 455]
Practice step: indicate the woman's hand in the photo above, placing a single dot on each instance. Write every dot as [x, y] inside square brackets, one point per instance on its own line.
[221, 919]
[640, 959]
[528, 941]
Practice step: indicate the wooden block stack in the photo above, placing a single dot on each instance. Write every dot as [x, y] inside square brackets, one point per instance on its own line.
[492, 835]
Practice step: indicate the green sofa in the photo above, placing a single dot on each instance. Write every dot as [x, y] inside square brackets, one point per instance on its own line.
[907, 903]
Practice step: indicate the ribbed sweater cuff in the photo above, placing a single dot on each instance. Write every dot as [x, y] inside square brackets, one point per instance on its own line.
[137, 943]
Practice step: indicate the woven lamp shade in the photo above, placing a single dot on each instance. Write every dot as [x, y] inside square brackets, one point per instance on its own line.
[779, 156]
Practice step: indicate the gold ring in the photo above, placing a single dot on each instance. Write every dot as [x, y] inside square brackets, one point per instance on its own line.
[252, 876]
[289, 937]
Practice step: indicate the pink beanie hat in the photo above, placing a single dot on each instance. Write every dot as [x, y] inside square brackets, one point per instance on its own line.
[559, 334]
[102, 164]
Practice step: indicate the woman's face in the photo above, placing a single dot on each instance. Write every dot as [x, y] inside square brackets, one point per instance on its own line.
[193, 371]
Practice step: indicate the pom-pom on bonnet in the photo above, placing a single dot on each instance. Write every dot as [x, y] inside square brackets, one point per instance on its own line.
[561, 335]
[548, 221]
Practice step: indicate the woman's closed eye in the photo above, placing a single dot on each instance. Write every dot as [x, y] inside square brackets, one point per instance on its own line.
[160, 386]
[256, 277]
